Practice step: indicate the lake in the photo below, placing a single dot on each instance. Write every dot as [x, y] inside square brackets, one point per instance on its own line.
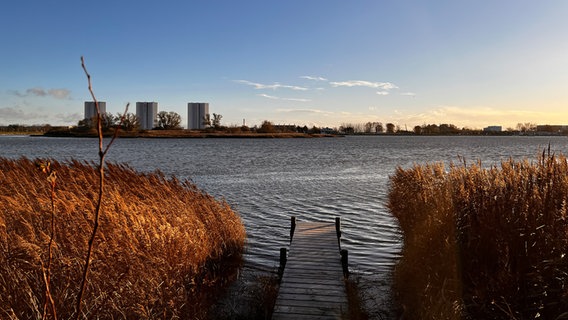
[269, 180]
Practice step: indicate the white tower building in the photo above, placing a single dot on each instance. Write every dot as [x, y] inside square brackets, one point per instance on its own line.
[91, 109]
[147, 113]
[196, 112]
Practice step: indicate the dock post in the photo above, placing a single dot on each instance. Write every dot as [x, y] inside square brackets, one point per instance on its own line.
[338, 231]
[338, 227]
[345, 262]
[283, 258]
[292, 227]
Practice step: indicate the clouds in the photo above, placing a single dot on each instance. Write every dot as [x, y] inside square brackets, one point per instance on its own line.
[305, 111]
[314, 78]
[14, 114]
[384, 88]
[363, 83]
[19, 115]
[273, 86]
[60, 94]
[325, 101]
[285, 99]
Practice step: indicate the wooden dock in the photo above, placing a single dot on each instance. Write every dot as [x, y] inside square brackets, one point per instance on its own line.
[312, 285]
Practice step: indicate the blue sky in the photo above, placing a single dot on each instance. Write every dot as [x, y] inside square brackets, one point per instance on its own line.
[313, 62]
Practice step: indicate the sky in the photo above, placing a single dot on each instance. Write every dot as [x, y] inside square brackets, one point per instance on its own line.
[305, 62]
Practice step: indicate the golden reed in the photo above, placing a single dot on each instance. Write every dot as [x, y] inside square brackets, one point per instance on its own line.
[157, 239]
[483, 243]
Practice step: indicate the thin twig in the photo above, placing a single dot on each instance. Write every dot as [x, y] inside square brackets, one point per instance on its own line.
[102, 155]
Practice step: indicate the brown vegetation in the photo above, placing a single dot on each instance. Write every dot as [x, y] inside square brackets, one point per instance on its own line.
[236, 133]
[483, 243]
[158, 248]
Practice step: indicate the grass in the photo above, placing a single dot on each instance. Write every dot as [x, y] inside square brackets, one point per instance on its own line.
[161, 245]
[483, 243]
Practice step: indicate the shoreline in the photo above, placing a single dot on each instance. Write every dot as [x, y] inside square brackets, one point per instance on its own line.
[164, 134]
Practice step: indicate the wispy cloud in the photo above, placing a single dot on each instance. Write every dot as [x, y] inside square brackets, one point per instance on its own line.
[304, 111]
[267, 96]
[284, 99]
[18, 115]
[40, 92]
[14, 114]
[383, 93]
[363, 83]
[297, 99]
[314, 78]
[273, 86]
[409, 94]
[59, 93]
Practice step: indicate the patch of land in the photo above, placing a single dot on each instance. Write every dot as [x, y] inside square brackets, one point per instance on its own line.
[187, 134]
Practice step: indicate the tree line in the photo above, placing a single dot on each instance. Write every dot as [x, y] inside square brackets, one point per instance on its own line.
[166, 120]
[430, 129]
[129, 122]
[19, 128]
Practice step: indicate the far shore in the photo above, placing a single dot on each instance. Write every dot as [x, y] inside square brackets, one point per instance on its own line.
[186, 134]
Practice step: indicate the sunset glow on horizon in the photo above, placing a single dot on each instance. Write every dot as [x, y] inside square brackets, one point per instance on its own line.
[322, 63]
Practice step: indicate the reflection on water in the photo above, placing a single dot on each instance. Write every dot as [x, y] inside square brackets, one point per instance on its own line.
[269, 180]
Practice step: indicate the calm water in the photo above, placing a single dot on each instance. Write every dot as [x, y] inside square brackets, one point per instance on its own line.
[269, 180]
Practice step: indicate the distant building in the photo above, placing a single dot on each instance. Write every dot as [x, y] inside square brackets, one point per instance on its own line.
[91, 109]
[493, 129]
[147, 113]
[196, 113]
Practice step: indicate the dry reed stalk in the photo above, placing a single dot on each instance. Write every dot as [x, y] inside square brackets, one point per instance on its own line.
[49, 304]
[155, 239]
[500, 233]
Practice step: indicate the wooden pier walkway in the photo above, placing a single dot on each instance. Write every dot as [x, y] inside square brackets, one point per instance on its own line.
[312, 285]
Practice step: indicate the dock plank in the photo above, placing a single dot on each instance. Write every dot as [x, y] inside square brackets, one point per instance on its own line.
[312, 284]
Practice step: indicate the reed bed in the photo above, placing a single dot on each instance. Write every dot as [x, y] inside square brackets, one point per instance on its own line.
[161, 243]
[483, 243]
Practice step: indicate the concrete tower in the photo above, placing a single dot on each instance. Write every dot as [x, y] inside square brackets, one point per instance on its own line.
[196, 112]
[147, 113]
[91, 109]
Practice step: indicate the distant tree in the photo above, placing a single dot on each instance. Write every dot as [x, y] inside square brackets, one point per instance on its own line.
[109, 121]
[85, 124]
[130, 122]
[368, 127]
[206, 121]
[217, 120]
[417, 129]
[526, 127]
[430, 129]
[378, 127]
[448, 129]
[266, 127]
[169, 120]
[315, 130]
[390, 127]
[346, 129]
